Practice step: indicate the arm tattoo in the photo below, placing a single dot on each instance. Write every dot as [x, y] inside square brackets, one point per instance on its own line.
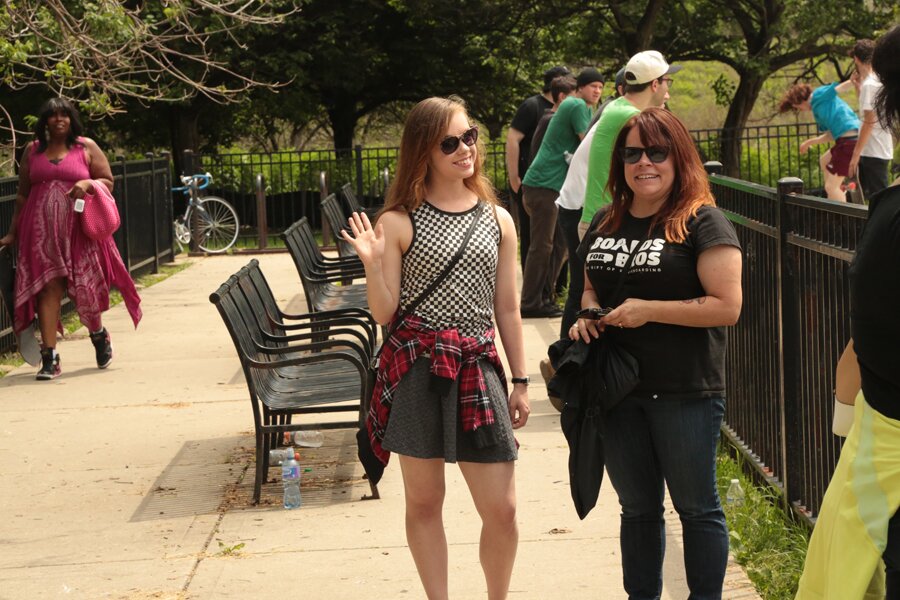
[700, 300]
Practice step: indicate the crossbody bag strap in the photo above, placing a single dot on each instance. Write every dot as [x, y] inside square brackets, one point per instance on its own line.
[442, 275]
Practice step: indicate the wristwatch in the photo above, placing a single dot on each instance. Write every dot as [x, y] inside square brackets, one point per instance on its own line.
[526, 380]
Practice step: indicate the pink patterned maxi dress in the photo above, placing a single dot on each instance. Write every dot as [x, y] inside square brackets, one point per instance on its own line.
[51, 244]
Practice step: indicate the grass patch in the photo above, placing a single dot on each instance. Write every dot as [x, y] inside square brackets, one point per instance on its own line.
[767, 542]
[71, 323]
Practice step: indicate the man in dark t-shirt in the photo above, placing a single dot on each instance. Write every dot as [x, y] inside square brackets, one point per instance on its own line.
[518, 151]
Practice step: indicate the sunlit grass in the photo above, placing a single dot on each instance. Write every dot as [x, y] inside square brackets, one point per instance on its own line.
[767, 542]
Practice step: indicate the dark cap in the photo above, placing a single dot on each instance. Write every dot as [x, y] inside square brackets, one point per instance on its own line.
[551, 74]
[620, 78]
[588, 76]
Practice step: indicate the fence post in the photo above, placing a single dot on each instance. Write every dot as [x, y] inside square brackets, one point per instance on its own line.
[154, 211]
[170, 209]
[189, 169]
[386, 181]
[357, 150]
[323, 192]
[788, 306]
[124, 199]
[262, 220]
[713, 167]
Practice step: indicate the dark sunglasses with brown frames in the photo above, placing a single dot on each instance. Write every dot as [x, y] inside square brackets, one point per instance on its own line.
[450, 143]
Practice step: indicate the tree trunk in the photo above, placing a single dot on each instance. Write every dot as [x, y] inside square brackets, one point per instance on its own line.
[343, 117]
[741, 106]
[184, 132]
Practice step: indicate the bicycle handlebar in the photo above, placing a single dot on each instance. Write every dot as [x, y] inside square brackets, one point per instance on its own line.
[203, 180]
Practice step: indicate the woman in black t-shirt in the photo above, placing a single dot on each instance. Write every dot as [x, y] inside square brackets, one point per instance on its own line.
[682, 287]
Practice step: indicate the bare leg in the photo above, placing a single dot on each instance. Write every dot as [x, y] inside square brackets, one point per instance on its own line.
[493, 489]
[832, 182]
[423, 483]
[49, 300]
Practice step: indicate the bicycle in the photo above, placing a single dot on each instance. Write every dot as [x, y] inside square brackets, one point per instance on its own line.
[217, 221]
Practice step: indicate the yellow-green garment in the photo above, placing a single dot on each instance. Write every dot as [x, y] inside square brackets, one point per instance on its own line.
[843, 561]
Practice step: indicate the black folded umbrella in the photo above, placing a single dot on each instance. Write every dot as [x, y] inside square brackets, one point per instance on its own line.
[582, 430]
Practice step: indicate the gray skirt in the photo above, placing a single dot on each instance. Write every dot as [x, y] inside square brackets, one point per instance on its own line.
[424, 425]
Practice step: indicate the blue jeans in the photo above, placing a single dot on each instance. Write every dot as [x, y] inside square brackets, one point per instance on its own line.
[650, 442]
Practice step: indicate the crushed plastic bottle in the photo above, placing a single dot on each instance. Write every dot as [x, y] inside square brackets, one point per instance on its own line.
[279, 455]
[306, 438]
[735, 494]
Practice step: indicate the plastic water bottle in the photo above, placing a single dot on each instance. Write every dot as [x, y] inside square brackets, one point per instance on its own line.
[290, 478]
[735, 494]
[307, 439]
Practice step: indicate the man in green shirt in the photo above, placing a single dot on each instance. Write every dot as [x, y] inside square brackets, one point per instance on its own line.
[647, 83]
[541, 187]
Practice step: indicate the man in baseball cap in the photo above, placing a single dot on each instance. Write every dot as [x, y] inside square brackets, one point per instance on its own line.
[647, 66]
[648, 82]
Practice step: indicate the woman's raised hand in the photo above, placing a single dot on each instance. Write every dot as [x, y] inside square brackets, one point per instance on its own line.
[366, 240]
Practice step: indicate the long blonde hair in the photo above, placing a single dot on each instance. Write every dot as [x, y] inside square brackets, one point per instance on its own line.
[425, 127]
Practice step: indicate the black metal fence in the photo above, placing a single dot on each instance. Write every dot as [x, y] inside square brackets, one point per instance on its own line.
[292, 179]
[293, 188]
[793, 328]
[144, 200]
[768, 153]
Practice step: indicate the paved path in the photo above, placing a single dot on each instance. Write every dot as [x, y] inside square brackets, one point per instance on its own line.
[134, 483]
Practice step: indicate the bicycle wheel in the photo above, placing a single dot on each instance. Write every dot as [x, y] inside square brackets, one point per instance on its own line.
[217, 225]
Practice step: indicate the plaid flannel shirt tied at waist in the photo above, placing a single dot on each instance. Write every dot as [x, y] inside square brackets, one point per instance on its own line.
[452, 357]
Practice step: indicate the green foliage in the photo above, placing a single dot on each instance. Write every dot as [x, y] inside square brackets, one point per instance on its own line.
[767, 542]
[724, 89]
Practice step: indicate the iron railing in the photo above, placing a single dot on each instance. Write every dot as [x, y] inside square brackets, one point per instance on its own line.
[793, 327]
[768, 153]
[144, 238]
[293, 186]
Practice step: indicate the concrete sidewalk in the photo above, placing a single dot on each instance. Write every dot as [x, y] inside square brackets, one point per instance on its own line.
[135, 482]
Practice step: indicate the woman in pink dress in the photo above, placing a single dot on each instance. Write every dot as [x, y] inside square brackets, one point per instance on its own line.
[54, 255]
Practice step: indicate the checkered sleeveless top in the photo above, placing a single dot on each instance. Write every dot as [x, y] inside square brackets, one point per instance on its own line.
[465, 299]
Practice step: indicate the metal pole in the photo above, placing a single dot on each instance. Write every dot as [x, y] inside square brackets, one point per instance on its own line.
[262, 221]
[323, 193]
[124, 212]
[169, 211]
[713, 167]
[788, 307]
[359, 172]
[194, 225]
[154, 211]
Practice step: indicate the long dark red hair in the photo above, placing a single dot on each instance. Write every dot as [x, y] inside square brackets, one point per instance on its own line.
[690, 190]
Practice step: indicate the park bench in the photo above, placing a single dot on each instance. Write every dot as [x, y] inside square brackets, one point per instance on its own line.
[351, 203]
[299, 238]
[294, 364]
[321, 288]
[337, 221]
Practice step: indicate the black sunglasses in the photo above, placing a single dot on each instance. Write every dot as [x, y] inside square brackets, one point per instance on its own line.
[450, 143]
[656, 154]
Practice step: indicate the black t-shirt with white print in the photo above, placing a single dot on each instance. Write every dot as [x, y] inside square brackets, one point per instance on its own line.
[675, 361]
